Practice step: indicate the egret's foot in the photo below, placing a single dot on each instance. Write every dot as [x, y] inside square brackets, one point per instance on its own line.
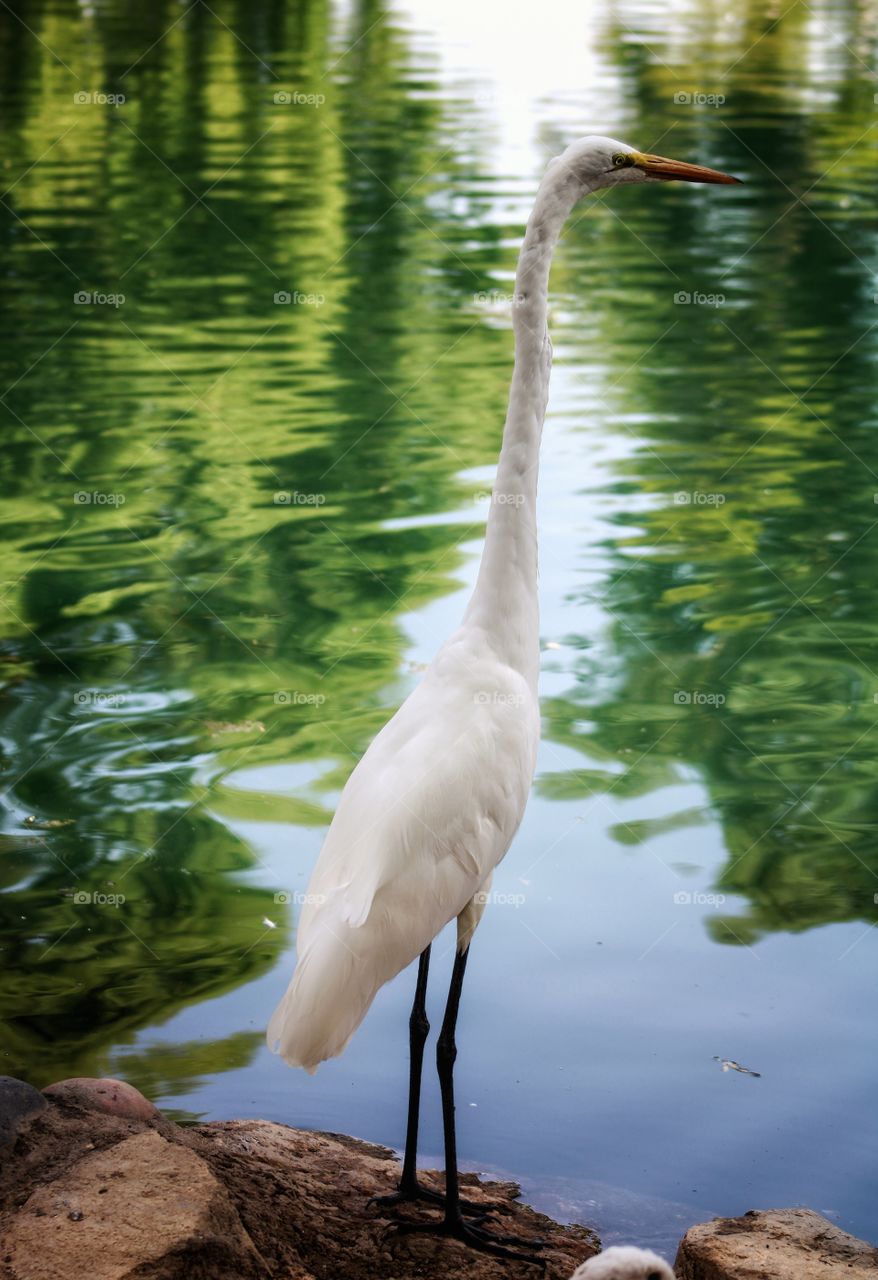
[477, 1238]
[411, 1195]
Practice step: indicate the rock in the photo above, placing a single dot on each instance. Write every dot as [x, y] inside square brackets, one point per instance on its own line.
[115, 1097]
[774, 1244]
[19, 1103]
[144, 1206]
[89, 1192]
[304, 1200]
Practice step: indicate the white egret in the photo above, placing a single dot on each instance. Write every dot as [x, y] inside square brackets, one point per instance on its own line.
[434, 803]
[624, 1262]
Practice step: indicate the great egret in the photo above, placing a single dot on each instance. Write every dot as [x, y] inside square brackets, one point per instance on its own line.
[433, 805]
[624, 1262]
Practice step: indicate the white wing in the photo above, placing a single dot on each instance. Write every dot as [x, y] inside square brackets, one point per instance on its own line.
[425, 817]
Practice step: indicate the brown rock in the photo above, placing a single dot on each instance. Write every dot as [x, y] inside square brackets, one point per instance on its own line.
[143, 1207]
[115, 1097]
[91, 1194]
[774, 1244]
[304, 1200]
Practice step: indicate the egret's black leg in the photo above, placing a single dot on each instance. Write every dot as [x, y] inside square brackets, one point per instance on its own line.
[419, 1029]
[409, 1188]
[453, 1223]
[446, 1053]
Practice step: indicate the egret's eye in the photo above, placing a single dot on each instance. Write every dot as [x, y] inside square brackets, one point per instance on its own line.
[620, 160]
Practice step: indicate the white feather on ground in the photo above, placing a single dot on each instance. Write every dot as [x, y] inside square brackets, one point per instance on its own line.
[624, 1262]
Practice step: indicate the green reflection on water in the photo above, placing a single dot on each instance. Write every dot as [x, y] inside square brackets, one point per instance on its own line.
[197, 569]
[744, 631]
[256, 454]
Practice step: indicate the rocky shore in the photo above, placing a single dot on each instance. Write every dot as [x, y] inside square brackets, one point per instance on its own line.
[96, 1182]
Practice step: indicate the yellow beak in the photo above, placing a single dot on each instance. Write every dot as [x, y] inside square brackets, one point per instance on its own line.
[679, 170]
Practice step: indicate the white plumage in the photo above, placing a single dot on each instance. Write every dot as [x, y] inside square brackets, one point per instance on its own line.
[425, 817]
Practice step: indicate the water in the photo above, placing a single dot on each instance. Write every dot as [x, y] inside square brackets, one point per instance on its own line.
[279, 517]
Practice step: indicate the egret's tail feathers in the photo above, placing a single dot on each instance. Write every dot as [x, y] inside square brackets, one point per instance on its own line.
[328, 997]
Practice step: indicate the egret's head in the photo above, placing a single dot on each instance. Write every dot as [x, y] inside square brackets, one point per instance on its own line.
[606, 162]
[624, 1263]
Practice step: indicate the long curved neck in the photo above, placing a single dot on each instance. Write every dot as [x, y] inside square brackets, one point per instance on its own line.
[504, 602]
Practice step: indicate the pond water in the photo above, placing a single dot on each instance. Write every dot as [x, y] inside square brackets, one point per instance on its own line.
[256, 348]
